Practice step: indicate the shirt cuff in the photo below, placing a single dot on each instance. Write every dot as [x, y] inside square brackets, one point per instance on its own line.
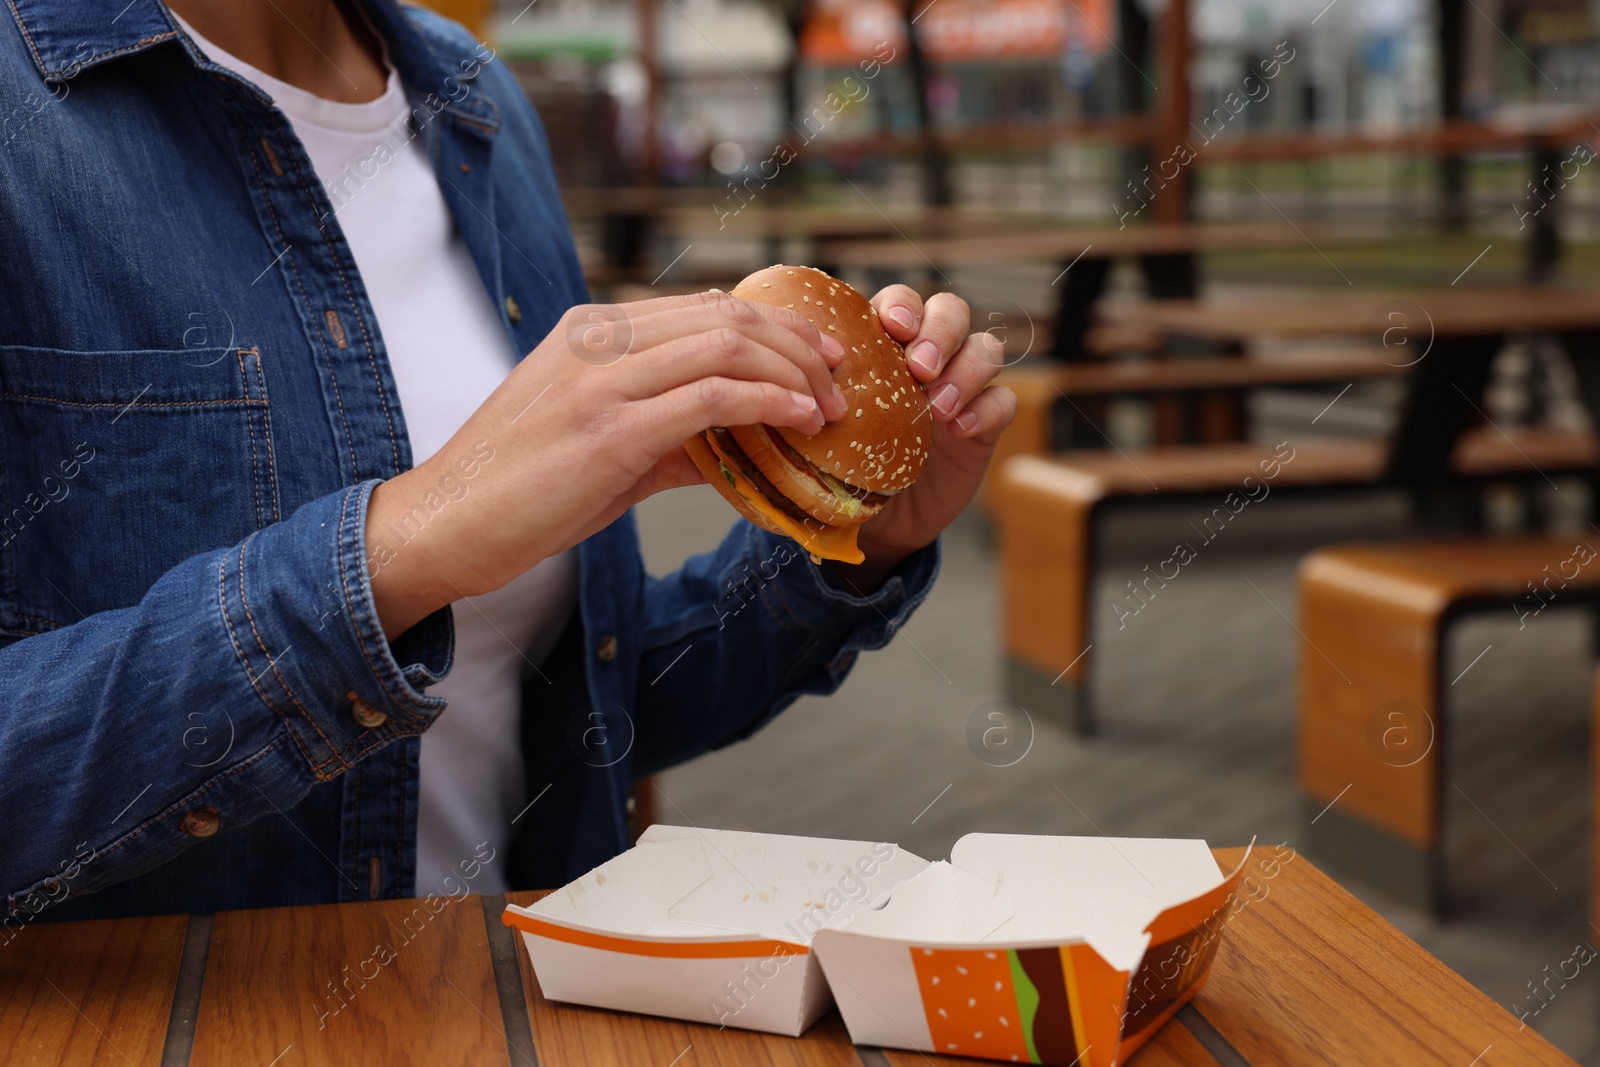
[813, 597]
[297, 602]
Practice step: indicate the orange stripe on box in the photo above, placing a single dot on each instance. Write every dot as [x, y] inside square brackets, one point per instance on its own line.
[697, 950]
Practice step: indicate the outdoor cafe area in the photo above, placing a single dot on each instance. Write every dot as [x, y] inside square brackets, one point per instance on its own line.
[1295, 539]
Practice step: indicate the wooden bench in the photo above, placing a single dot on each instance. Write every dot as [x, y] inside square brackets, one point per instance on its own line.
[1041, 386]
[1374, 620]
[1045, 513]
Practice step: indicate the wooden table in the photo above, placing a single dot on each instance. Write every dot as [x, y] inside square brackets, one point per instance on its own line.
[1306, 976]
[1167, 255]
[1447, 339]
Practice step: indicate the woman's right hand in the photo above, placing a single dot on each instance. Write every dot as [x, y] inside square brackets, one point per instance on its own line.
[589, 424]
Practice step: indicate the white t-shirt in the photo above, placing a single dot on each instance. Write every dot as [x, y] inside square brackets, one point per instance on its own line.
[448, 353]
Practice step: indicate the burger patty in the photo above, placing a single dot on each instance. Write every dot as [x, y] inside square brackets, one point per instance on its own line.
[815, 473]
[728, 449]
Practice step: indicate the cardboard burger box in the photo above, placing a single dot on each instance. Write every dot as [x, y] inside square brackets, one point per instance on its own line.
[1054, 950]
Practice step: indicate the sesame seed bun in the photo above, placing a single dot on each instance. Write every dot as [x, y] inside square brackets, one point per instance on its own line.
[819, 489]
[881, 442]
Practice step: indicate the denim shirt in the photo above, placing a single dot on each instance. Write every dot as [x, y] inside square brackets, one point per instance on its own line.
[200, 708]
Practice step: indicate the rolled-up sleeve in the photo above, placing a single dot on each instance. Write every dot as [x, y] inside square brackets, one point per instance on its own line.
[241, 679]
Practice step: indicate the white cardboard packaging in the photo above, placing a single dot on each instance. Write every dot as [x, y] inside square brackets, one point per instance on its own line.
[1053, 950]
[710, 926]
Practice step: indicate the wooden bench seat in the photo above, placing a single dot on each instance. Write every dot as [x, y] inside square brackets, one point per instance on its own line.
[1373, 620]
[1045, 513]
[1041, 385]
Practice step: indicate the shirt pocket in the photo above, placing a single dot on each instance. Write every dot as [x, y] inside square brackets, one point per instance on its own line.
[117, 466]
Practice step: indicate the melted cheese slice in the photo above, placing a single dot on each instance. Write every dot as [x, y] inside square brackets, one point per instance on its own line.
[826, 542]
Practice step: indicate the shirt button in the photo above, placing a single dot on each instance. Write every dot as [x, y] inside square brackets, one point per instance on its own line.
[364, 713]
[513, 311]
[201, 822]
[607, 649]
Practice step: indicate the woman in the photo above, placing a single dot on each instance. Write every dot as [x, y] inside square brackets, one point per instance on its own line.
[269, 269]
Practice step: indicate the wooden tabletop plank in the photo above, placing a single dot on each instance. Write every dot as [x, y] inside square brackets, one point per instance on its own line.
[1307, 975]
[89, 993]
[1171, 1046]
[571, 1036]
[1476, 311]
[392, 982]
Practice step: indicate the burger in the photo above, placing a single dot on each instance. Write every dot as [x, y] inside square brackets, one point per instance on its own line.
[819, 489]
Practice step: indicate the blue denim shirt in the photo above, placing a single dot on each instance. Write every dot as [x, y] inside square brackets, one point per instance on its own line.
[200, 708]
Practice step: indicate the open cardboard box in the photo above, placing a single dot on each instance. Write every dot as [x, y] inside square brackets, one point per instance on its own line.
[1052, 950]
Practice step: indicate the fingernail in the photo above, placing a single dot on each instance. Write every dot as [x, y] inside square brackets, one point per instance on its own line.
[838, 398]
[902, 314]
[925, 354]
[804, 402]
[967, 420]
[831, 345]
[944, 398]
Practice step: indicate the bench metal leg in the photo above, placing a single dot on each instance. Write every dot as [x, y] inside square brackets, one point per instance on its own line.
[1085, 281]
[1346, 844]
[1065, 702]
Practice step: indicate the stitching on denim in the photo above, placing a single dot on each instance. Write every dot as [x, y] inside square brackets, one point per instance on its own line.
[338, 399]
[246, 402]
[361, 320]
[52, 623]
[266, 423]
[244, 658]
[255, 460]
[272, 664]
[27, 36]
[66, 73]
[399, 699]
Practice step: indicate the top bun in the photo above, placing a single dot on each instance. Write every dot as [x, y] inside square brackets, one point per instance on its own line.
[882, 441]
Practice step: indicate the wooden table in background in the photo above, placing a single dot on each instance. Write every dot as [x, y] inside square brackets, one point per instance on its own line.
[1167, 254]
[1306, 976]
[1446, 338]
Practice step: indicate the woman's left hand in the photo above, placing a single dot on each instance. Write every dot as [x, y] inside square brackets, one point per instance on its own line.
[964, 419]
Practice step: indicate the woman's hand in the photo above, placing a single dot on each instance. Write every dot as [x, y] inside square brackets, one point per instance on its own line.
[966, 413]
[590, 423]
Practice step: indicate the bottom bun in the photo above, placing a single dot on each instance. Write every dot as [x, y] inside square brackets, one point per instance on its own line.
[711, 467]
[822, 542]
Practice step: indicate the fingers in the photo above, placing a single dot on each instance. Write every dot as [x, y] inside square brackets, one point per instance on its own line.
[944, 327]
[727, 352]
[966, 375]
[712, 317]
[661, 423]
[660, 313]
[900, 311]
[990, 412]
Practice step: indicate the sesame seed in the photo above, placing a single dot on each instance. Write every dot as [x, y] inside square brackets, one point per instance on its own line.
[790, 273]
[808, 285]
[829, 455]
[858, 413]
[830, 326]
[766, 285]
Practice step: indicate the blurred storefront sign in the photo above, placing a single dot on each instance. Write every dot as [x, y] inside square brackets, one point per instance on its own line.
[841, 32]
[1550, 22]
